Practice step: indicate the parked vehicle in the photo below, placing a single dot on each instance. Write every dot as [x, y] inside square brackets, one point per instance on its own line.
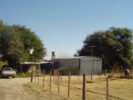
[8, 72]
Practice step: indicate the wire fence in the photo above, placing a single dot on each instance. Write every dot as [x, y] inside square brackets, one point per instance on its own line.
[78, 87]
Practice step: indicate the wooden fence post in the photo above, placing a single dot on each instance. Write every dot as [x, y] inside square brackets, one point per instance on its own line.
[38, 77]
[84, 88]
[69, 85]
[50, 82]
[35, 76]
[58, 83]
[107, 88]
[43, 79]
[32, 76]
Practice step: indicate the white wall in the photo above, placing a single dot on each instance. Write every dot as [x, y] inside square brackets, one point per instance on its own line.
[90, 65]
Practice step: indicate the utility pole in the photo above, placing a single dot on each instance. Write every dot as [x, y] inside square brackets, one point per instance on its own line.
[92, 49]
[52, 59]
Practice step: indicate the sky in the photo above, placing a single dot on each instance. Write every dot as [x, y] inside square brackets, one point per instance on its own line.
[63, 25]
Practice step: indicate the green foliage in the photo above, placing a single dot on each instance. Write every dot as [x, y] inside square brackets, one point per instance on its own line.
[1, 64]
[30, 40]
[16, 42]
[21, 75]
[113, 45]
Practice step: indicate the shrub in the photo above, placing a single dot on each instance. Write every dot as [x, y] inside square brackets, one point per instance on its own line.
[23, 75]
[72, 71]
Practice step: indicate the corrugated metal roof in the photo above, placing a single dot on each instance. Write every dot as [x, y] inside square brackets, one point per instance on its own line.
[79, 57]
[43, 62]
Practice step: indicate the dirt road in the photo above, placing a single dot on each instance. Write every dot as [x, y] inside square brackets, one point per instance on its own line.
[12, 89]
[17, 89]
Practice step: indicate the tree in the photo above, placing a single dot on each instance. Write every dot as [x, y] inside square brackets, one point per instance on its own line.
[15, 43]
[30, 40]
[10, 44]
[113, 45]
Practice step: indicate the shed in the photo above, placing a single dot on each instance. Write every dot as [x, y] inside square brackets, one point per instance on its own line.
[27, 67]
[86, 64]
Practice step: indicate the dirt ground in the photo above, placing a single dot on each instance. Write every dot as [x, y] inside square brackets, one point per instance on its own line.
[17, 89]
[12, 89]
[22, 89]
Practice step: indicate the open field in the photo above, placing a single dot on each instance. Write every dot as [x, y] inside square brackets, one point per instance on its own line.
[119, 89]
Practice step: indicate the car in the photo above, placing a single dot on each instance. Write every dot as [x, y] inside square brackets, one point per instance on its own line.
[8, 72]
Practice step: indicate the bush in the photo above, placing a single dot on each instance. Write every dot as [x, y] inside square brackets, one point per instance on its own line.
[23, 75]
[72, 71]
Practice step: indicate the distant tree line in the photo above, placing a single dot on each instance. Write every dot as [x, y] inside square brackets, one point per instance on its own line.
[16, 42]
[114, 46]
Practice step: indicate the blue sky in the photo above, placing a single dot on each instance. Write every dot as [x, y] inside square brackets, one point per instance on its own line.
[62, 25]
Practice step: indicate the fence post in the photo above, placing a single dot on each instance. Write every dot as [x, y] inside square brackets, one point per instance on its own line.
[84, 88]
[43, 79]
[107, 88]
[50, 82]
[69, 85]
[58, 83]
[38, 77]
[35, 75]
[32, 76]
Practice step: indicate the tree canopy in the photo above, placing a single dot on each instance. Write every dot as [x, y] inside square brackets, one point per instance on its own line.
[113, 45]
[15, 43]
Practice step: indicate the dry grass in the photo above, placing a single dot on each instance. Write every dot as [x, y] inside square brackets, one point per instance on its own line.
[119, 89]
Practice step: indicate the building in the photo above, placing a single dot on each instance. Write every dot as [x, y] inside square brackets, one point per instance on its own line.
[27, 67]
[87, 65]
